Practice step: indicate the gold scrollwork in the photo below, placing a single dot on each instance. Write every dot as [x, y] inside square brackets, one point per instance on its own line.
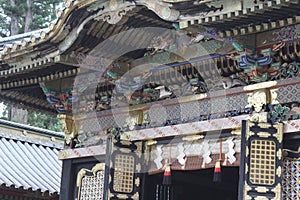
[258, 117]
[263, 134]
[137, 181]
[262, 189]
[138, 167]
[64, 154]
[236, 132]
[257, 99]
[151, 142]
[277, 191]
[135, 196]
[279, 171]
[193, 138]
[264, 125]
[279, 154]
[122, 196]
[261, 198]
[82, 173]
[69, 126]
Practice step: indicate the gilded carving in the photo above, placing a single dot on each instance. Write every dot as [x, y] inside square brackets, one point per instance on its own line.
[264, 125]
[138, 167]
[236, 132]
[277, 191]
[123, 142]
[262, 144]
[251, 134]
[80, 175]
[139, 146]
[126, 136]
[278, 171]
[87, 183]
[279, 154]
[264, 134]
[257, 99]
[261, 189]
[137, 181]
[136, 196]
[193, 138]
[69, 126]
[246, 189]
[125, 150]
[261, 198]
[256, 117]
[64, 154]
[122, 196]
[151, 142]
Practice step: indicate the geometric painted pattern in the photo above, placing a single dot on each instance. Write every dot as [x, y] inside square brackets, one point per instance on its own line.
[90, 183]
[92, 187]
[287, 94]
[174, 110]
[106, 122]
[157, 115]
[190, 110]
[291, 179]
[205, 107]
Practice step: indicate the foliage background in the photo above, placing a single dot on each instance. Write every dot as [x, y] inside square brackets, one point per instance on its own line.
[20, 16]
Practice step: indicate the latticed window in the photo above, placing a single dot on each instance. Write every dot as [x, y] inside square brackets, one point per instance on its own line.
[123, 173]
[91, 183]
[262, 162]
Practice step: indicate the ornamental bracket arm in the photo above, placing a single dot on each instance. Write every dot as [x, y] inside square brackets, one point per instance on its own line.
[69, 126]
[162, 9]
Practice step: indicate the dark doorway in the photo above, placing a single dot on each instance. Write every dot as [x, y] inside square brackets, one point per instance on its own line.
[197, 185]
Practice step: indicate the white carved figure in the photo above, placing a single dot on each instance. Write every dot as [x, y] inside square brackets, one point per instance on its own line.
[162, 92]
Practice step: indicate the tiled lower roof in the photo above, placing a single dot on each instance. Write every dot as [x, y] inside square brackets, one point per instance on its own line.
[29, 166]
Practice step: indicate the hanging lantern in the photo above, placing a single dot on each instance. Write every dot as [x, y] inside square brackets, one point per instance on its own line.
[167, 180]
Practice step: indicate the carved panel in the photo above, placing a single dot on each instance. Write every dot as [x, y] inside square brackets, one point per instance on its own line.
[90, 183]
[124, 161]
[261, 156]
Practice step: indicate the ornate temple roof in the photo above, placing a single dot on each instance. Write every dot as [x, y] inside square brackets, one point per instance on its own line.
[29, 158]
[55, 54]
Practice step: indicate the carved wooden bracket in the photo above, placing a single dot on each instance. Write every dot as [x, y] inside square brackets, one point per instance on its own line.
[162, 9]
[70, 128]
[115, 10]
